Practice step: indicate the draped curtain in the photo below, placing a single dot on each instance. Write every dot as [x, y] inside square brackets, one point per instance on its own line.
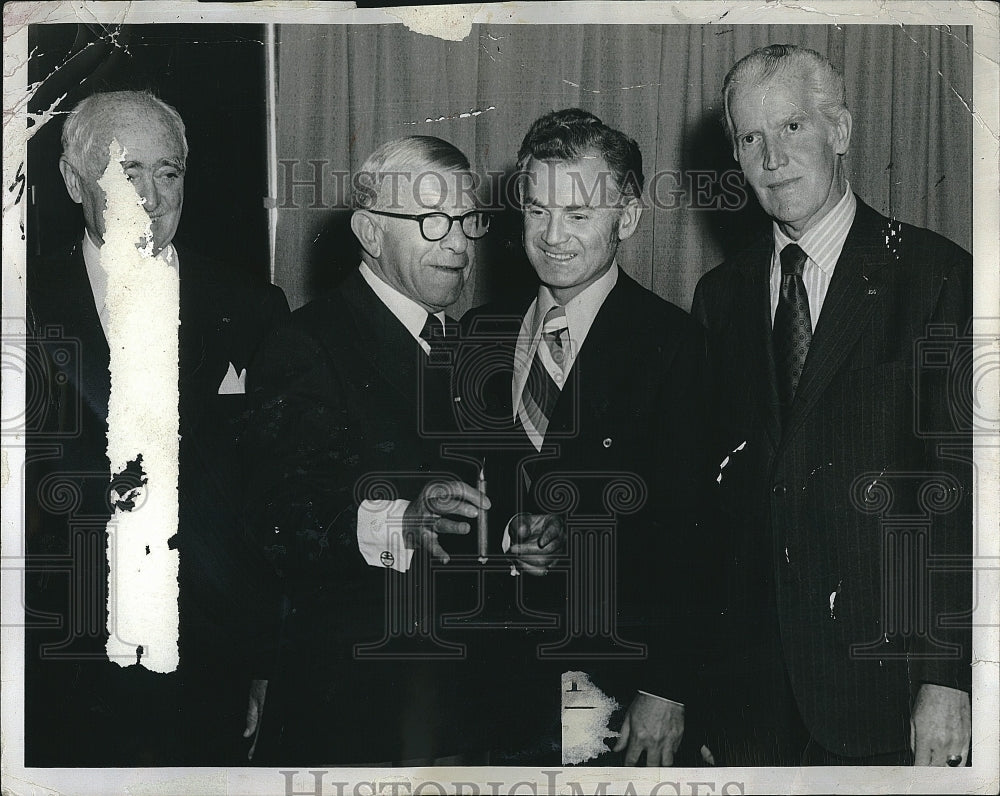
[344, 89]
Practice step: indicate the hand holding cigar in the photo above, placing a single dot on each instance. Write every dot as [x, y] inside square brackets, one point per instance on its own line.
[442, 507]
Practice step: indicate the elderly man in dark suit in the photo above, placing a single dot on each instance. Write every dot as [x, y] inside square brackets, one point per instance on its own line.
[129, 716]
[593, 390]
[353, 498]
[834, 477]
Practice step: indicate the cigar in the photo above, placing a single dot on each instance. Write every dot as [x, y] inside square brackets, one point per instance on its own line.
[482, 529]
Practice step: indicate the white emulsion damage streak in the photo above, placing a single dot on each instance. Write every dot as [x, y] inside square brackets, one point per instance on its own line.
[143, 299]
[586, 713]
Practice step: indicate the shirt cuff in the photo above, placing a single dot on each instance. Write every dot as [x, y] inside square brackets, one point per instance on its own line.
[664, 699]
[380, 534]
[505, 541]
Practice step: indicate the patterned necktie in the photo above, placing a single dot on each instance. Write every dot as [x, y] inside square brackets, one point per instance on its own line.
[792, 325]
[546, 376]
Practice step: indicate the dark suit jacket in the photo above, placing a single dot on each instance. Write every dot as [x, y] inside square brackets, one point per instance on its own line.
[625, 453]
[223, 315]
[835, 513]
[340, 397]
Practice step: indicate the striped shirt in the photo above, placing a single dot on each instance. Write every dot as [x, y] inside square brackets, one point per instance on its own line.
[822, 245]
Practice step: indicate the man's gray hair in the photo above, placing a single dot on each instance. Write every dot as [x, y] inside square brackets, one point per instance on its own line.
[88, 124]
[822, 77]
[410, 154]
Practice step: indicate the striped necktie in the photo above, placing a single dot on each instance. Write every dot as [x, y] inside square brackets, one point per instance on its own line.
[792, 331]
[546, 376]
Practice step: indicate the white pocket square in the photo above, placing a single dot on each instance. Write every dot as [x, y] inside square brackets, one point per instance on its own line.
[233, 384]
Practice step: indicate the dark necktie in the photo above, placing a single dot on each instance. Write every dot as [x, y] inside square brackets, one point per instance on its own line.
[792, 325]
[433, 334]
[435, 405]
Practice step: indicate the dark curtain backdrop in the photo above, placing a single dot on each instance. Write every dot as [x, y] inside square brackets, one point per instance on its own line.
[212, 74]
[342, 90]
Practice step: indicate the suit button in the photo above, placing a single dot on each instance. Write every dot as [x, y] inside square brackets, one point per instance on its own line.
[778, 489]
[607, 442]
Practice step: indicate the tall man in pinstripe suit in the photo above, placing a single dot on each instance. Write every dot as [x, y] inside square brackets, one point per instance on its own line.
[835, 480]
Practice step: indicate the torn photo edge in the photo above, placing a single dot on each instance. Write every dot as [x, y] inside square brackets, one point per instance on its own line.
[450, 22]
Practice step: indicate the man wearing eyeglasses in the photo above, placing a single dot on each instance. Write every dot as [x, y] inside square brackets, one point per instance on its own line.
[353, 503]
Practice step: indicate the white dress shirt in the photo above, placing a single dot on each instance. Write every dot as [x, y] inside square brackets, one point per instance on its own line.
[822, 245]
[406, 310]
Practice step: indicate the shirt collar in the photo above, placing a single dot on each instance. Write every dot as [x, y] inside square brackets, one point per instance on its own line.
[581, 309]
[824, 242]
[406, 310]
[92, 259]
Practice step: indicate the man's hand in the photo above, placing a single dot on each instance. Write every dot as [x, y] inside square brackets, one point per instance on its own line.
[539, 539]
[653, 726]
[255, 706]
[430, 515]
[940, 725]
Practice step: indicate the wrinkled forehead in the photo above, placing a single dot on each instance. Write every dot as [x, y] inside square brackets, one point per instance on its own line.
[782, 94]
[146, 136]
[429, 188]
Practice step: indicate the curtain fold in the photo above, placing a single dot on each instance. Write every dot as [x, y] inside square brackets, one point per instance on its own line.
[343, 90]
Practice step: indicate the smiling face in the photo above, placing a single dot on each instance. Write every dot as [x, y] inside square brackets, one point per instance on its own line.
[154, 164]
[574, 219]
[431, 273]
[789, 151]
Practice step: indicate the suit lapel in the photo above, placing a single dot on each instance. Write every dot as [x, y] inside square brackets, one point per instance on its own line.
[759, 341]
[71, 306]
[603, 365]
[749, 350]
[383, 341]
[854, 293]
[194, 314]
[492, 339]
[203, 345]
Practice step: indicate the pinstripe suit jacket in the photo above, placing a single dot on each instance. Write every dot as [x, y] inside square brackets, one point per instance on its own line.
[844, 518]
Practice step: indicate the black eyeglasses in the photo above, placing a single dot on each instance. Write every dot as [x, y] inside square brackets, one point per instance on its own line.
[436, 226]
